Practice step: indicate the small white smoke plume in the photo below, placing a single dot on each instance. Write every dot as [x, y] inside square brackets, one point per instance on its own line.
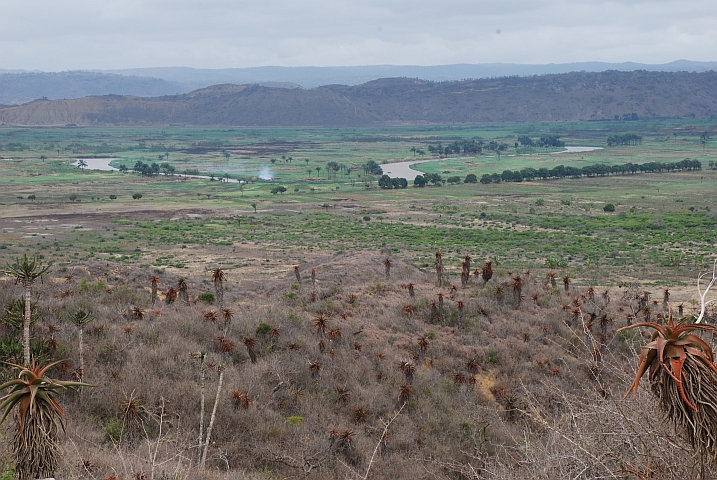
[265, 173]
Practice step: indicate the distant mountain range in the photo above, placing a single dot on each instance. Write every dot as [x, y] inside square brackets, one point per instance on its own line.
[311, 77]
[18, 87]
[560, 97]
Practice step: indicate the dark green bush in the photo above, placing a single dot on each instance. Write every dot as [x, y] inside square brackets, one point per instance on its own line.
[206, 297]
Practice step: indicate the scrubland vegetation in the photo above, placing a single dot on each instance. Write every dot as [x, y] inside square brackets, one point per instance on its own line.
[351, 366]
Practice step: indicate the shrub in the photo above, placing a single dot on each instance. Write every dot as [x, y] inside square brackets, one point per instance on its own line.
[136, 196]
[113, 430]
[609, 207]
[113, 197]
[263, 329]
[206, 297]
[366, 218]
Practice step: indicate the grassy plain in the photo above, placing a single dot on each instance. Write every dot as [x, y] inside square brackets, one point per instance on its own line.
[663, 226]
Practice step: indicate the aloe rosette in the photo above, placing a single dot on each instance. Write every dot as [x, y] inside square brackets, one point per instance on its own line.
[683, 378]
[35, 444]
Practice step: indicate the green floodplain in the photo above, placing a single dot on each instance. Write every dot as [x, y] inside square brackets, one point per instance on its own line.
[662, 229]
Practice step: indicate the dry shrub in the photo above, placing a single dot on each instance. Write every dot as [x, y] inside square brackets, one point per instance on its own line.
[515, 419]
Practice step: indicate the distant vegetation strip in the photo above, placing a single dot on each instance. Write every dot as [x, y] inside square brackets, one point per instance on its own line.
[561, 171]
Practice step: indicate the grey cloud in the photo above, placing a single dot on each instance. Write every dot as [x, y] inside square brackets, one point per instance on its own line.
[74, 34]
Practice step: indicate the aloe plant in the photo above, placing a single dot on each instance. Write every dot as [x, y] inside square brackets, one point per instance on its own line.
[154, 282]
[26, 271]
[182, 288]
[218, 277]
[35, 439]
[683, 379]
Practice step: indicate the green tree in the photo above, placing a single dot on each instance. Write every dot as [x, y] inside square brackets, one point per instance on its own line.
[73, 198]
[385, 182]
[31, 197]
[609, 207]
[26, 272]
[136, 196]
[471, 178]
[253, 204]
[372, 168]
[434, 178]
[419, 181]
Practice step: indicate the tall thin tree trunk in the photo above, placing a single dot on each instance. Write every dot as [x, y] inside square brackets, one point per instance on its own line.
[211, 420]
[219, 287]
[26, 324]
[82, 359]
[201, 409]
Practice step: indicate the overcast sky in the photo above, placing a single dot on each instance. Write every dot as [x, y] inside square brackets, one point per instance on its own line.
[57, 35]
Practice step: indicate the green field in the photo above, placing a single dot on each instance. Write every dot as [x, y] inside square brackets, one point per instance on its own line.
[662, 229]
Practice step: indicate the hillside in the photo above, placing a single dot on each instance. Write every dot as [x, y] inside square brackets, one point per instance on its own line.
[314, 370]
[564, 97]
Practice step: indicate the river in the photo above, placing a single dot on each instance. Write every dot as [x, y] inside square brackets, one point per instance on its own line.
[104, 165]
[404, 170]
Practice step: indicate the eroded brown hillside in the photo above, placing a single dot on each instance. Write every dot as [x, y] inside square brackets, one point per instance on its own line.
[564, 97]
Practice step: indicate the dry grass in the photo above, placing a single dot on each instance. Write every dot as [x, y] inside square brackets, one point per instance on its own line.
[540, 406]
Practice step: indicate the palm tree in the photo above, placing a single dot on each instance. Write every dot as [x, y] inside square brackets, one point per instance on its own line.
[79, 319]
[35, 443]
[218, 277]
[27, 271]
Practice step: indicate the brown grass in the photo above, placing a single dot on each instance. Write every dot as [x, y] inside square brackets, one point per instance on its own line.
[516, 419]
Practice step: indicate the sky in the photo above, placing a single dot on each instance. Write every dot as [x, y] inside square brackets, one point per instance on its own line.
[54, 35]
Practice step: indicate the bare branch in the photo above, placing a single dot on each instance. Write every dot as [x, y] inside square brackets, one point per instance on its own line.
[702, 294]
[383, 436]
